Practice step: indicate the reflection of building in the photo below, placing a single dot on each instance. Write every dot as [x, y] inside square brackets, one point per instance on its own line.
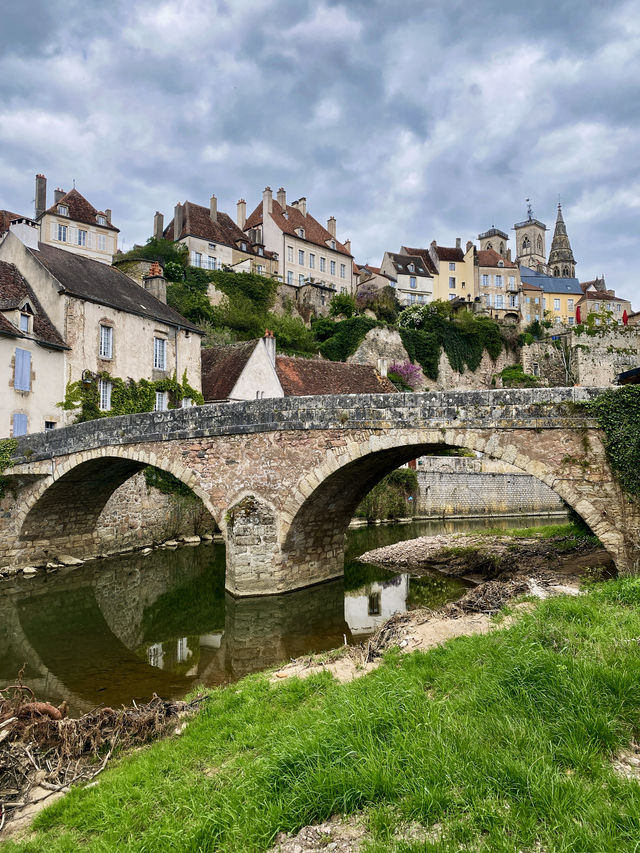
[369, 607]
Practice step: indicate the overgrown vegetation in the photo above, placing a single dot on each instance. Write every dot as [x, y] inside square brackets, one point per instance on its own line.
[166, 483]
[342, 339]
[513, 376]
[493, 743]
[618, 414]
[395, 496]
[7, 449]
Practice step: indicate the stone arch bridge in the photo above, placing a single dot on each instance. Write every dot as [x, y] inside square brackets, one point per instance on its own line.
[282, 477]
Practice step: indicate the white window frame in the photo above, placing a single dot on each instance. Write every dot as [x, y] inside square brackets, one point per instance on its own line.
[301, 257]
[106, 341]
[63, 210]
[102, 242]
[413, 281]
[101, 220]
[332, 267]
[452, 266]
[104, 391]
[499, 281]
[211, 262]
[323, 264]
[81, 238]
[343, 271]
[62, 233]
[485, 280]
[556, 304]
[289, 276]
[196, 259]
[312, 261]
[290, 254]
[161, 403]
[300, 279]
[159, 353]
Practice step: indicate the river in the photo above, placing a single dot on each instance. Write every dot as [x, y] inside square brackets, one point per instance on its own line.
[120, 629]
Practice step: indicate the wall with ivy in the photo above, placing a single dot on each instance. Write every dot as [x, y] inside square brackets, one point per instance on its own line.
[618, 414]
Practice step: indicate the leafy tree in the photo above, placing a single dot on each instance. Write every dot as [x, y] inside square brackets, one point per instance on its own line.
[342, 304]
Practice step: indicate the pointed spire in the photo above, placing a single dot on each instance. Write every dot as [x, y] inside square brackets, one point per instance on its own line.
[561, 260]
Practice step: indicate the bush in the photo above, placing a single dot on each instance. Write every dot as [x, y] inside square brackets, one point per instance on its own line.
[395, 496]
[347, 337]
[407, 372]
[513, 376]
[343, 304]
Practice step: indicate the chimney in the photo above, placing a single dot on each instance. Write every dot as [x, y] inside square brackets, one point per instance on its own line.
[469, 245]
[178, 216]
[158, 225]
[108, 215]
[26, 230]
[282, 197]
[331, 226]
[267, 202]
[155, 282]
[57, 195]
[383, 366]
[302, 206]
[41, 195]
[347, 245]
[508, 254]
[458, 243]
[270, 344]
[213, 208]
[241, 215]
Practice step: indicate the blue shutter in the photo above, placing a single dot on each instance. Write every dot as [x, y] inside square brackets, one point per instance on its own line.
[22, 376]
[19, 425]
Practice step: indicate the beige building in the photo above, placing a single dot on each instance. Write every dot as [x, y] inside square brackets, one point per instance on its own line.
[73, 224]
[414, 283]
[99, 323]
[452, 269]
[308, 252]
[596, 299]
[499, 285]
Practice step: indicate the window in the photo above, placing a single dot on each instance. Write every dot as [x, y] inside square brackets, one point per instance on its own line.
[499, 300]
[19, 424]
[243, 246]
[289, 277]
[186, 403]
[63, 210]
[569, 304]
[452, 296]
[512, 281]
[82, 237]
[332, 265]
[544, 302]
[500, 263]
[343, 271]
[412, 297]
[421, 297]
[49, 425]
[161, 402]
[413, 281]
[618, 307]
[300, 279]
[498, 281]
[323, 264]
[196, 259]
[24, 322]
[452, 267]
[211, 262]
[452, 282]
[571, 320]
[22, 370]
[260, 269]
[536, 299]
[104, 389]
[312, 261]
[300, 232]
[374, 604]
[301, 257]
[343, 290]
[62, 233]
[290, 254]
[535, 368]
[261, 251]
[333, 244]
[485, 280]
[101, 220]
[596, 307]
[106, 342]
[160, 353]
[556, 304]
[411, 268]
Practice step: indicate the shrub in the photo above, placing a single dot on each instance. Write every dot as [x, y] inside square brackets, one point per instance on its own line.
[408, 372]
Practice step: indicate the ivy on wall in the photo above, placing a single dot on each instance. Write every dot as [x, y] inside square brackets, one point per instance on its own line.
[128, 396]
[165, 482]
[345, 338]
[395, 496]
[618, 414]
[7, 449]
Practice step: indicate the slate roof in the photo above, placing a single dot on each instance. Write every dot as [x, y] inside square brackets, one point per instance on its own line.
[314, 232]
[80, 210]
[13, 290]
[401, 264]
[491, 258]
[197, 222]
[424, 255]
[446, 253]
[493, 232]
[221, 368]
[105, 285]
[550, 283]
[303, 377]
[5, 219]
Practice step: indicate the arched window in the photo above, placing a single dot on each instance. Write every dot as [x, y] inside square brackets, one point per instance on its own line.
[526, 244]
[566, 272]
[540, 252]
[489, 246]
[502, 248]
[556, 272]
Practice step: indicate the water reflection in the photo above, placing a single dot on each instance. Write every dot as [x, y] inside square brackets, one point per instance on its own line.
[122, 629]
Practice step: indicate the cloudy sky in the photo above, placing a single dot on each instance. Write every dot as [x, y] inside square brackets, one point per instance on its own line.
[408, 120]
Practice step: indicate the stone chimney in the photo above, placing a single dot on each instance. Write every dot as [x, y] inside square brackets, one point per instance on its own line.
[347, 245]
[469, 245]
[241, 212]
[282, 197]
[267, 202]
[108, 215]
[155, 282]
[158, 225]
[331, 226]
[383, 367]
[270, 343]
[57, 195]
[509, 254]
[458, 243]
[41, 195]
[178, 218]
[213, 208]
[26, 230]
[302, 205]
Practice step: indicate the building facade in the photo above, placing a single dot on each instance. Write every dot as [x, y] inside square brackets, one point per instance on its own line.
[413, 281]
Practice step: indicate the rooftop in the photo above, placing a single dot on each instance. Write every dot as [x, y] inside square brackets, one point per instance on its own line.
[80, 210]
[14, 291]
[303, 377]
[294, 220]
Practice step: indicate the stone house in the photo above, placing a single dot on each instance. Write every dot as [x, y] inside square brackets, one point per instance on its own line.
[499, 285]
[414, 281]
[451, 268]
[92, 320]
[371, 279]
[596, 298]
[559, 295]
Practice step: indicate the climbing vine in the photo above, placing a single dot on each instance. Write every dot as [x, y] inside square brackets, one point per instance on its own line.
[166, 483]
[7, 449]
[128, 396]
[345, 338]
[618, 414]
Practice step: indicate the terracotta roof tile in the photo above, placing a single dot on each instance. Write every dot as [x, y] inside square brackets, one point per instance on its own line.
[527, 286]
[13, 290]
[445, 253]
[5, 219]
[221, 368]
[491, 258]
[197, 222]
[80, 210]
[302, 377]
[314, 232]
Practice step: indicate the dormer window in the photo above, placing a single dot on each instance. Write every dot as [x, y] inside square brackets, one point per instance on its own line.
[500, 263]
[260, 251]
[63, 210]
[300, 232]
[101, 219]
[243, 246]
[333, 244]
[411, 268]
[24, 323]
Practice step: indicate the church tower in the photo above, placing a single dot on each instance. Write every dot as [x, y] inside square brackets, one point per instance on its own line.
[530, 248]
[562, 264]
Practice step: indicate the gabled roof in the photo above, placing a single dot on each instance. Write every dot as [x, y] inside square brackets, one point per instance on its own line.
[314, 232]
[304, 377]
[424, 254]
[527, 286]
[550, 283]
[602, 296]
[197, 222]
[401, 264]
[446, 253]
[5, 219]
[597, 283]
[491, 258]
[222, 366]
[105, 285]
[80, 210]
[14, 290]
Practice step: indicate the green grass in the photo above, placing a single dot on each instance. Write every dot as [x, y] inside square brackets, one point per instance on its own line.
[505, 740]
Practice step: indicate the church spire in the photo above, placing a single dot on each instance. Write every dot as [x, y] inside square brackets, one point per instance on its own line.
[561, 261]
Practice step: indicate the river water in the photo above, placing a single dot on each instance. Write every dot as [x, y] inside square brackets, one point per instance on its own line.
[120, 629]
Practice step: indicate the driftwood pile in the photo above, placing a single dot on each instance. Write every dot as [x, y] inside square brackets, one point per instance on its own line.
[42, 751]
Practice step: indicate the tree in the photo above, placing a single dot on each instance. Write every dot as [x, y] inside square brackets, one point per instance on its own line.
[342, 304]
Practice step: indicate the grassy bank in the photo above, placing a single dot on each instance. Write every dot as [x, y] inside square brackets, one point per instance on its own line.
[504, 740]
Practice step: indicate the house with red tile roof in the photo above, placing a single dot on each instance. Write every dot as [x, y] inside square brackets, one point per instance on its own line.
[499, 285]
[596, 299]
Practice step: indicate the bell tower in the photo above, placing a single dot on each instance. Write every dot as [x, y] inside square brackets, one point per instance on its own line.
[530, 241]
[562, 264]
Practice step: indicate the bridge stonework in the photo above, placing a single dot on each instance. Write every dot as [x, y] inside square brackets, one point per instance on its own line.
[283, 477]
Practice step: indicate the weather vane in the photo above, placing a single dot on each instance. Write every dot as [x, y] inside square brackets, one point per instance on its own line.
[529, 208]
